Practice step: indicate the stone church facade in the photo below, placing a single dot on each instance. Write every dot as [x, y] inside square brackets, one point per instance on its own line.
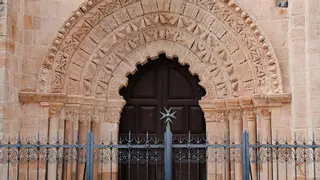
[65, 61]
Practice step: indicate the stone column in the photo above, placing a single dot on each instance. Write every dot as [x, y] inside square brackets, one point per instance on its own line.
[264, 137]
[217, 129]
[71, 133]
[249, 124]
[98, 117]
[235, 119]
[110, 131]
[54, 119]
[86, 112]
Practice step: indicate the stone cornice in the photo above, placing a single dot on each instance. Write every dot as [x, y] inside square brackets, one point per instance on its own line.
[272, 100]
[69, 99]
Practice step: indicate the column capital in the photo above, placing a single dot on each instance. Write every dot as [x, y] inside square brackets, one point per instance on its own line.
[264, 113]
[86, 113]
[55, 109]
[113, 115]
[99, 114]
[72, 111]
[235, 115]
[249, 113]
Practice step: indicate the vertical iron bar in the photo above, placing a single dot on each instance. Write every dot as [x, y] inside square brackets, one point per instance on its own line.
[47, 160]
[168, 152]
[225, 157]
[38, 154]
[314, 156]
[168, 115]
[138, 166]
[18, 155]
[234, 165]
[245, 155]
[129, 157]
[189, 156]
[147, 156]
[8, 161]
[89, 163]
[286, 169]
[28, 161]
[258, 156]
[57, 158]
[207, 162]
[198, 174]
[295, 155]
[111, 156]
[63, 161]
[305, 165]
[101, 162]
[277, 155]
[180, 166]
[268, 162]
[77, 156]
[234, 169]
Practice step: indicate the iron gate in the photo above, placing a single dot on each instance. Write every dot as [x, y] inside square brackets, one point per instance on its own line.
[224, 159]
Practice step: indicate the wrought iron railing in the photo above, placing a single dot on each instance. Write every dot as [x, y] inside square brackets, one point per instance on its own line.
[224, 159]
[185, 157]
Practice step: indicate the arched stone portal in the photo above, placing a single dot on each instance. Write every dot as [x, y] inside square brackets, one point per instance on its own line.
[104, 40]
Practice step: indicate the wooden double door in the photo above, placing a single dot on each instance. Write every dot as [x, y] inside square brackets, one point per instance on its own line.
[162, 83]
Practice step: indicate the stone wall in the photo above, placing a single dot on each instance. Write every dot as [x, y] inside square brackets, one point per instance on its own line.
[29, 27]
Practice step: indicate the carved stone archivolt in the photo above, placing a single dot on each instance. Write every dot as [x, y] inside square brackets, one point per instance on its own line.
[103, 41]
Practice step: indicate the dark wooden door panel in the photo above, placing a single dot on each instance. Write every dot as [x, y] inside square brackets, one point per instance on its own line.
[158, 84]
[179, 125]
[147, 118]
[145, 86]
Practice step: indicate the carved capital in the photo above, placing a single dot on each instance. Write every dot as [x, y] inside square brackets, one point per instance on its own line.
[113, 115]
[221, 116]
[99, 115]
[249, 114]
[86, 114]
[264, 114]
[54, 110]
[209, 116]
[234, 115]
[72, 112]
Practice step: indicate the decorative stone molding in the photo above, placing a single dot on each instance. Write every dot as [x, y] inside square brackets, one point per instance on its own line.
[103, 41]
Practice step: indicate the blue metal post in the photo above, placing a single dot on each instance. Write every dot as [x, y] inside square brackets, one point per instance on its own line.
[90, 151]
[168, 116]
[245, 156]
[168, 152]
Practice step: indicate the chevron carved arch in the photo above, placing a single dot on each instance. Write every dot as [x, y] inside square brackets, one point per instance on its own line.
[103, 41]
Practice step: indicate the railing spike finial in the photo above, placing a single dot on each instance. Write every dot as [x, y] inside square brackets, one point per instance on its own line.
[19, 136]
[38, 136]
[57, 136]
[313, 137]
